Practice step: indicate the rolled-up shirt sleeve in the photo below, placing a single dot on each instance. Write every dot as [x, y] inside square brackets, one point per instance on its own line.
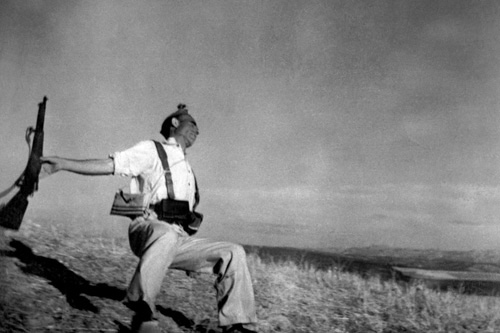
[135, 160]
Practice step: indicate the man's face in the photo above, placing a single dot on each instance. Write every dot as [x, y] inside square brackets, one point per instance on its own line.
[188, 129]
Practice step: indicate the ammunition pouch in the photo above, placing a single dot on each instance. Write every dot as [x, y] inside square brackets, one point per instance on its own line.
[177, 212]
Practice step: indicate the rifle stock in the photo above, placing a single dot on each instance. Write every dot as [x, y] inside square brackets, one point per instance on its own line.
[11, 215]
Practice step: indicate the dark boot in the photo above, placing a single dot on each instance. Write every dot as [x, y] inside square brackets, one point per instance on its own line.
[238, 328]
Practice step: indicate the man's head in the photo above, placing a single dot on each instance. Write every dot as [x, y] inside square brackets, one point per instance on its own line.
[180, 125]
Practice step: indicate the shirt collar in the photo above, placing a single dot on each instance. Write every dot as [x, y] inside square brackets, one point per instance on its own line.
[171, 141]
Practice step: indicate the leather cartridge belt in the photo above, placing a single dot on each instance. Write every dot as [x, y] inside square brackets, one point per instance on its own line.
[172, 211]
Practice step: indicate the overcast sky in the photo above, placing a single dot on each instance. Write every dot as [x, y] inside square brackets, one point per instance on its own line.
[322, 123]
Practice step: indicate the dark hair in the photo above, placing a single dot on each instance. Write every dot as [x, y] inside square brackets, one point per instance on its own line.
[167, 123]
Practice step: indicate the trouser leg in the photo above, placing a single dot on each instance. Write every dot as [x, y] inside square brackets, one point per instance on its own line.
[155, 243]
[160, 245]
[235, 296]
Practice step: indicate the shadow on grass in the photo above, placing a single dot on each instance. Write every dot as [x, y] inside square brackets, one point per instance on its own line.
[70, 284]
[184, 322]
[121, 328]
[178, 317]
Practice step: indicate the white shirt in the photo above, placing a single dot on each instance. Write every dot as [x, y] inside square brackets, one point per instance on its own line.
[144, 165]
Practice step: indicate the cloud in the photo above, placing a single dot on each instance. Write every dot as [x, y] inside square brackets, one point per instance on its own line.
[464, 223]
[403, 204]
[279, 194]
[379, 217]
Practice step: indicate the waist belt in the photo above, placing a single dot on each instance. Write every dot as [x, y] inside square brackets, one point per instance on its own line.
[171, 211]
[174, 212]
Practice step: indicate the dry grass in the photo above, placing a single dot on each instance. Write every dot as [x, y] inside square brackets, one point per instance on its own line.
[72, 284]
[308, 300]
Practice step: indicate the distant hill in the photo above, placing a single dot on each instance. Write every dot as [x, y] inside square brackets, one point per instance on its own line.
[378, 259]
[472, 267]
[484, 260]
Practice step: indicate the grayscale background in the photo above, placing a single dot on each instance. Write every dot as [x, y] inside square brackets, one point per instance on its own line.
[323, 124]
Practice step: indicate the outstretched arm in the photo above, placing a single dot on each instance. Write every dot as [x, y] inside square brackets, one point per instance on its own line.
[93, 167]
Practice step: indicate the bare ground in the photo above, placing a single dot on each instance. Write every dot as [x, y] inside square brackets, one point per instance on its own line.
[51, 281]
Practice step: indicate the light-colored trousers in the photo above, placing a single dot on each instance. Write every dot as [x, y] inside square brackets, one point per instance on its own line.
[160, 245]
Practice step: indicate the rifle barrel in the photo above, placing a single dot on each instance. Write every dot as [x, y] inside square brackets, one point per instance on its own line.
[11, 214]
[30, 182]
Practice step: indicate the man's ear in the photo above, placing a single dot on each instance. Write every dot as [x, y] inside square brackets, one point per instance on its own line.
[175, 122]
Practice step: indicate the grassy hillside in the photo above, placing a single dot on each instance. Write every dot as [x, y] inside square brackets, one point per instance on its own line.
[58, 282]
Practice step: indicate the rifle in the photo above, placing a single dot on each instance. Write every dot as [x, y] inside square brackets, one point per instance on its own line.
[12, 213]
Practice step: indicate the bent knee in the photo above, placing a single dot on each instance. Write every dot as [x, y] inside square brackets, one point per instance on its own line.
[237, 252]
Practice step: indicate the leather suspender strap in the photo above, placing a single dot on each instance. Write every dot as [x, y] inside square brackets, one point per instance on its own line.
[168, 175]
[177, 212]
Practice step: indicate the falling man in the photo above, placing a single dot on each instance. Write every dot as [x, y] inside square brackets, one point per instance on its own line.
[162, 237]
